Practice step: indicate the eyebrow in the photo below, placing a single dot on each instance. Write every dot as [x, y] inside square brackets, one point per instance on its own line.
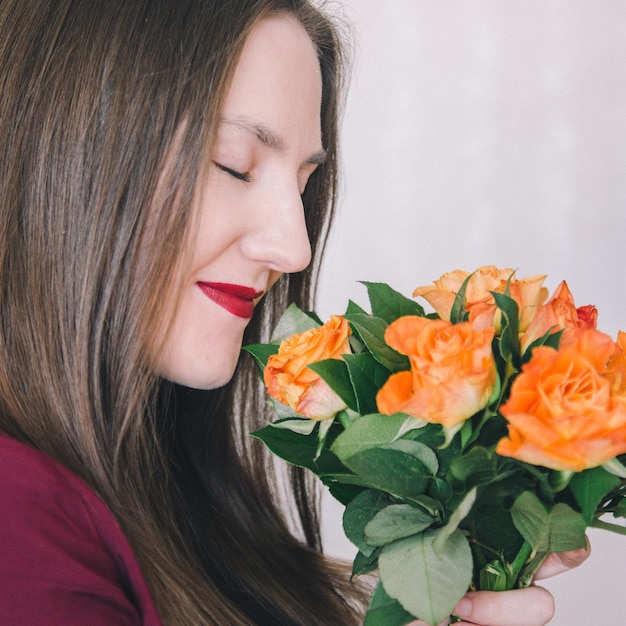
[270, 139]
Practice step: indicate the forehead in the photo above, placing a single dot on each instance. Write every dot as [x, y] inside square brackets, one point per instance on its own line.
[277, 82]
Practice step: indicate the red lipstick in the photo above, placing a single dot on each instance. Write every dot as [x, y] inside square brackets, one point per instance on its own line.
[236, 299]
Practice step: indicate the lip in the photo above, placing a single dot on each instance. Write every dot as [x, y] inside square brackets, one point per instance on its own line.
[236, 299]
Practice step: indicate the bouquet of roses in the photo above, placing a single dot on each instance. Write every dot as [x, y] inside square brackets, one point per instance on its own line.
[466, 444]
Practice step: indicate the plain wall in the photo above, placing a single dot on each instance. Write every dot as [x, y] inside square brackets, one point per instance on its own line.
[489, 132]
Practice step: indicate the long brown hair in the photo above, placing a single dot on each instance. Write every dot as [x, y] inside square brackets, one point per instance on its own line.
[107, 115]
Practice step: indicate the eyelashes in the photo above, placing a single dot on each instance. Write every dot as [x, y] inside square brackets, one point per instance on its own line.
[242, 176]
[246, 177]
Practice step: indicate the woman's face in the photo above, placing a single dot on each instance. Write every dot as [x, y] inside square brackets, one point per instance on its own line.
[251, 219]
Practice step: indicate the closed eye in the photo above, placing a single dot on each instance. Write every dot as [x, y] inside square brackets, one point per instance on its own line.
[243, 176]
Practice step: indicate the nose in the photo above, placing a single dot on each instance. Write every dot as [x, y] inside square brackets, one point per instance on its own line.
[279, 237]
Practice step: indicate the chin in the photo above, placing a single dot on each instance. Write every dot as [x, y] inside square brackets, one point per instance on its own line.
[199, 377]
[202, 382]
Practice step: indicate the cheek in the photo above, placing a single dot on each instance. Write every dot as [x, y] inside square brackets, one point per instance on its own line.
[203, 346]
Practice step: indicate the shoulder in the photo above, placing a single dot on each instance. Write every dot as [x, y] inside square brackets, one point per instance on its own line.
[27, 473]
[64, 555]
[42, 499]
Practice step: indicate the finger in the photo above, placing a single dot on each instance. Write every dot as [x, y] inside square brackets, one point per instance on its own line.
[559, 562]
[533, 606]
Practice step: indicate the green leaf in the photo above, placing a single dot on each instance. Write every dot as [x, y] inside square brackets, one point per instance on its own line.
[367, 376]
[430, 505]
[335, 373]
[558, 480]
[450, 433]
[300, 426]
[343, 493]
[282, 411]
[371, 330]
[458, 312]
[368, 431]
[396, 522]
[491, 523]
[557, 530]
[494, 576]
[389, 304]
[500, 575]
[353, 307]
[615, 467]
[261, 352]
[364, 564]
[440, 490]
[322, 435]
[494, 529]
[589, 487]
[476, 467]
[293, 321]
[459, 514]
[432, 435]
[359, 513]
[428, 583]
[551, 339]
[302, 450]
[297, 449]
[410, 424]
[417, 450]
[391, 470]
[315, 317]
[509, 334]
[620, 509]
[344, 478]
[385, 611]
[328, 462]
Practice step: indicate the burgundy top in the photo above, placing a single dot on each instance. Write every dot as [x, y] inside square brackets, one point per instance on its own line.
[63, 557]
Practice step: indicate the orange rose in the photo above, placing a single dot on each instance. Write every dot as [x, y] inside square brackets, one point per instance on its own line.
[587, 316]
[529, 294]
[561, 413]
[560, 313]
[291, 382]
[616, 369]
[452, 370]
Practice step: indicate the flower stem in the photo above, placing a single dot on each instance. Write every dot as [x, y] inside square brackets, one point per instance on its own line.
[615, 467]
[614, 528]
[560, 479]
[344, 419]
[524, 554]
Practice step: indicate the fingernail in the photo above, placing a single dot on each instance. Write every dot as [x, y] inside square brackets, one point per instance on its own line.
[463, 608]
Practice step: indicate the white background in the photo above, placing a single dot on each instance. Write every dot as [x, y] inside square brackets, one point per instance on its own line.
[489, 132]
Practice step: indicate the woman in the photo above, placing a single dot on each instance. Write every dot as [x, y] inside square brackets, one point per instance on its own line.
[165, 163]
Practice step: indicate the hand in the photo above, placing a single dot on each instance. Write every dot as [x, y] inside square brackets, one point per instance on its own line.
[533, 606]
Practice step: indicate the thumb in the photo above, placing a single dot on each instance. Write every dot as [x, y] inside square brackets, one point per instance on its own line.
[533, 606]
[559, 562]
